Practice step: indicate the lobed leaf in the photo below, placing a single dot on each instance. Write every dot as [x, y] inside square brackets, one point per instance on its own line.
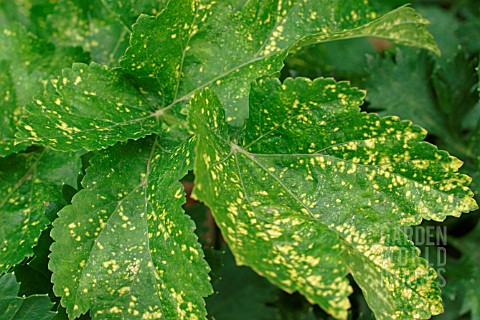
[413, 72]
[125, 248]
[224, 46]
[444, 28]
[413, 75]
[29, 182]
[346, 181]
[13, 307]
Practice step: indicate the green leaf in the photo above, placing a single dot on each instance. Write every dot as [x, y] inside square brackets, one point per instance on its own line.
[403, 26]
[444, 27]
[29, 182]
[341, 60]
[33, 274]
[10, 112]
[407, 75]
[125, 248]
[190, 46]
[99, 27]
[470, 31]
[128, 11]
[17, 308]
[67, 120]
[89, 25]
[472, 167]
[27, 64]
[346, 182]
[31, 14]
[455, 82]
[225, 48]
[437, 94]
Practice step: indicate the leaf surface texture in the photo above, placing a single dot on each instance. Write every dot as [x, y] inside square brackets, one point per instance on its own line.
[132, 249]
[192, 45]
[30, 182]
[312, 189]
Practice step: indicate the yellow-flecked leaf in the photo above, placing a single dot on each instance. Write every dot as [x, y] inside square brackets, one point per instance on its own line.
[125, 249]
[191, 45]
[102, 27]
[225, 45]
[27, 64]
[29, 182]
[313, 189]
[69, 122]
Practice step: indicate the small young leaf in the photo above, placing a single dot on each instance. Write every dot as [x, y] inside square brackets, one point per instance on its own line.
[29, 182]
[17, 308]
[346, 182]
[125, 248]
